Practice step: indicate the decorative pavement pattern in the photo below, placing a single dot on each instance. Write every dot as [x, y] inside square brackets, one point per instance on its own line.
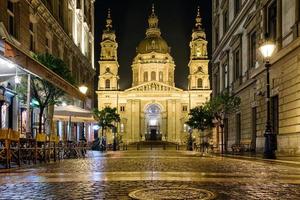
[182, 175]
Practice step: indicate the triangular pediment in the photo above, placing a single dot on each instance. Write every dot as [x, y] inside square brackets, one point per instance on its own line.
[154, 86]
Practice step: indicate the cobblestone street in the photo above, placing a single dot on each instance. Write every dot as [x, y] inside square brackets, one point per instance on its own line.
[115, 174]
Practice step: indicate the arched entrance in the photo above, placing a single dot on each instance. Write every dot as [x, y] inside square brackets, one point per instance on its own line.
[153, 122]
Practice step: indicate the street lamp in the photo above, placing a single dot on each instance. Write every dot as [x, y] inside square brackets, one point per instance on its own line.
[190, 139]
[83, 89]
[267, 50]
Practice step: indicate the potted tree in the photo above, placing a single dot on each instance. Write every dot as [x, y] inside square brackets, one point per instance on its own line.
[221, 106]
[201, 118]
[107, 119]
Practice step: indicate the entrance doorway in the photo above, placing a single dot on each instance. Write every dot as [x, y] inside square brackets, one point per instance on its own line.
[153, 123]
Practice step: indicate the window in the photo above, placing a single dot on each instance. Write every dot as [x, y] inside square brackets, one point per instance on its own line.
[85, 10]
[107, 70]
[225, 75]
[253, 49]
[61, 10]
[215, 84]
[122, 108]
[237, 6]
[61, 51]
[122, 128]
[237, 65]
[217, 4]
[216, 35]
[145, 76]
[32, 37]
[238, 129]
[11, 19]
[225, 21]
[161, 76]
[272, 20]
[153, 76]
[48, 45]
[200, 83]
[184, 108]
[78, 4]
[107, 84]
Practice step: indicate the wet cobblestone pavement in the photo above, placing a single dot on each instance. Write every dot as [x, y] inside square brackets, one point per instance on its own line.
[114, 175]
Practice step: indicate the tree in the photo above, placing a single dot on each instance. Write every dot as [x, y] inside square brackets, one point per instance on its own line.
[44, 93]
[201, 118]
[221, 106]
[107, 118]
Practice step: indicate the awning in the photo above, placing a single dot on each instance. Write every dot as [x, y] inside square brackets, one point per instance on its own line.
[64, 113]
[25, 61]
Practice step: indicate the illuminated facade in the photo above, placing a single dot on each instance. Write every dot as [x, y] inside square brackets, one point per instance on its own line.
[63, 28]
[153, 108]
[239, 28]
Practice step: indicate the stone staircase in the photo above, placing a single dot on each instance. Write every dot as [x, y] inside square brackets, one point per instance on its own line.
[153, 145]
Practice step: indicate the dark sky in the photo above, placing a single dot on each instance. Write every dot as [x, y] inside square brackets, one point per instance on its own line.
[130, 20]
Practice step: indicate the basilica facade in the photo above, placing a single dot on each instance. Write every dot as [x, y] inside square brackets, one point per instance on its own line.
[153, 108]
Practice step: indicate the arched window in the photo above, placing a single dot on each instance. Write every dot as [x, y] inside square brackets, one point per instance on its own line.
[145, 76]
[200, 83]
[153, 76]
[160, 75]
[107, 84]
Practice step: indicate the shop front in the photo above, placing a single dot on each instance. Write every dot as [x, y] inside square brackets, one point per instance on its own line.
[15, 112]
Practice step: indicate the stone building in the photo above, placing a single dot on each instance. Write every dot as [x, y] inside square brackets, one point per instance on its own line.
[153, 108]
[239, 28]
[63, 28]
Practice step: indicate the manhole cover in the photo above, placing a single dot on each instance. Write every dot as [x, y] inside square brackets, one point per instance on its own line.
[172, 193]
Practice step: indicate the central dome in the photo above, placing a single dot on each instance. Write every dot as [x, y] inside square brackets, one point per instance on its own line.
[153, 43]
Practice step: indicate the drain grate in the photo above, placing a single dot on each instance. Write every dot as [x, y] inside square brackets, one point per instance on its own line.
[165, 193]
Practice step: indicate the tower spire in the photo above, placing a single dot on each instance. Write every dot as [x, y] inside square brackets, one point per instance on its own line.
[153, 9]
[198, 20]
[108, 20]
[153, 23]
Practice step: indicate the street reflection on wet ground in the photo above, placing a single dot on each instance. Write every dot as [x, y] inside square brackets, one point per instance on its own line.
[114, 175]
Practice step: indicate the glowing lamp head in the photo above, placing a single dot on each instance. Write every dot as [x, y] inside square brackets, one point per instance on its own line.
[267, 49]
[17, 79]
[83, 89]
[96, 127]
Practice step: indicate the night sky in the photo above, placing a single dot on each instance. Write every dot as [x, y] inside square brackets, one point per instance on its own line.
[130, 20]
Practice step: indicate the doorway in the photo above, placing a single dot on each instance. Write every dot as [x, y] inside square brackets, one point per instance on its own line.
[153, 123]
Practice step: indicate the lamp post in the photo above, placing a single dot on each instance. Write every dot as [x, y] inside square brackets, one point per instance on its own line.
[267, 49]
[190, 140]
[83, 89]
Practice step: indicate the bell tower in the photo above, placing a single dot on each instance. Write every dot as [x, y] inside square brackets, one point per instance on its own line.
[109, 78]
[198, 78]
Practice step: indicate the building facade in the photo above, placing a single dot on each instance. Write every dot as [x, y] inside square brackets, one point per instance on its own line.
[63, 28]
[153, 108]
[239, 28]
